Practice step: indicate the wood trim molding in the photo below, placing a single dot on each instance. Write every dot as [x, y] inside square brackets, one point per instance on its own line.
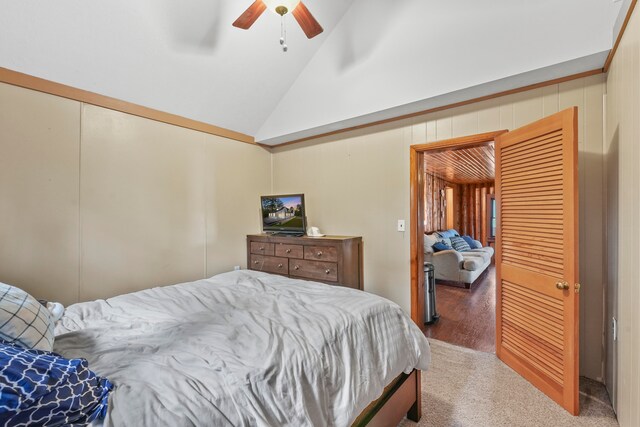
[460, 142]
[416, 178]
[444, 107]
[41, 85]
[613, 51]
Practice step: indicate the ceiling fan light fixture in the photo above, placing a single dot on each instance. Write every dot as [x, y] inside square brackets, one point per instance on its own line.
[280, 6]
[310, 26]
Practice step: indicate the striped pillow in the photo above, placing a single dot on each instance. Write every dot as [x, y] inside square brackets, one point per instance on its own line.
[23, 320]
[459, 244]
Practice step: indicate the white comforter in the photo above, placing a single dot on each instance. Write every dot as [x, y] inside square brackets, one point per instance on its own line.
[243, 348]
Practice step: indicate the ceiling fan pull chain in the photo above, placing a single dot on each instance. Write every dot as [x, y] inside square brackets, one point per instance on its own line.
[283, 34]
[282, 30]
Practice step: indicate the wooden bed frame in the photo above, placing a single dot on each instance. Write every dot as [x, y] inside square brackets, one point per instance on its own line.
[402, 396]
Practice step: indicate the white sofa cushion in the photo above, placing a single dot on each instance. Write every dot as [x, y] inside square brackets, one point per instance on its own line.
[487, 250]
[483, 257]
[429, 241]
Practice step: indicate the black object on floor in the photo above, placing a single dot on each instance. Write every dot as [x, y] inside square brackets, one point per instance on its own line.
[430, 314]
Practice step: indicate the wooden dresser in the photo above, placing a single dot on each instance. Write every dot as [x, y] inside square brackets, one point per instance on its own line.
[336, 260]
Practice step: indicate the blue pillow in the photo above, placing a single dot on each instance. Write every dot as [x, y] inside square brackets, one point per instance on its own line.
[471, 242]
[42, 388]
[460, 244]
[444, 234]
[441, 247]
[447, 234]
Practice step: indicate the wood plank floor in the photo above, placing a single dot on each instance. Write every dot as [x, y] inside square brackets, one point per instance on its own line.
[467, 316]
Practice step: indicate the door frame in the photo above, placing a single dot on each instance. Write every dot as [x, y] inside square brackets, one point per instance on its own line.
[416, 180]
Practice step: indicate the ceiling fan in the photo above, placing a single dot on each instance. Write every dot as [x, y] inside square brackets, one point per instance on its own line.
[305, 19]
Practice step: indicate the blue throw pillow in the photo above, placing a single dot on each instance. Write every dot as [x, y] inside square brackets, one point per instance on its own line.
[444, 234]
[472, 243]
[447, 234]
[460, 244]
[45, 389]
[441, 247]
[453, 232]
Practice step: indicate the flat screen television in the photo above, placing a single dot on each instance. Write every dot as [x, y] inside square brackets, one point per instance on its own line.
[283, 214]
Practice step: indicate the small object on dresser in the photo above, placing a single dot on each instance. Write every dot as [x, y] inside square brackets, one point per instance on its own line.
[314, 232]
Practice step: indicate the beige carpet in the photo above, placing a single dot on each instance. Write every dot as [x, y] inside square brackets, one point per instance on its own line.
[471, 388]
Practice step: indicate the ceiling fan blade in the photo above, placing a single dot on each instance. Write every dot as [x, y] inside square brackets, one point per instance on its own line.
[307, 22]
[246, 20]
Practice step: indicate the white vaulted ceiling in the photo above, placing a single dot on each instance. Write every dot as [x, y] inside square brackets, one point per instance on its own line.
[182, 57]
[376, 58]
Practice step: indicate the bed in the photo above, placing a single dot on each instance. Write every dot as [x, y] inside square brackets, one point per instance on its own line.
[248, 348]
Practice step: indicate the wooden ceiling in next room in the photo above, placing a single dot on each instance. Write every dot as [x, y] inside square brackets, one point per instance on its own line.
[471, 165]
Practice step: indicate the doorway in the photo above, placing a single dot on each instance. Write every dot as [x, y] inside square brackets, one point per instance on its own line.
[458, 180]
[536, 223]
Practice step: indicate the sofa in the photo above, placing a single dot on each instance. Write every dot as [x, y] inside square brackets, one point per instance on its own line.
[451, 265]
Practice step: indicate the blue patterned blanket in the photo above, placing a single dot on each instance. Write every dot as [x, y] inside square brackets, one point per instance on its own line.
[45, 389]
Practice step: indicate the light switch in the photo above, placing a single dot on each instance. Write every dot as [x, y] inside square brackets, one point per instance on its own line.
[401, 225]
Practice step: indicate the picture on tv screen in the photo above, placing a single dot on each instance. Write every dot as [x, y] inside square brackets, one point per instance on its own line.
[283, 213]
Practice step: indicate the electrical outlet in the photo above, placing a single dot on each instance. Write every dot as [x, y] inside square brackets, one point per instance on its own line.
[401, 225]
[236, 267]
[614, 326]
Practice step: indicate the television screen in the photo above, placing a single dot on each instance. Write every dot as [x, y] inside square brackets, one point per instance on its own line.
[283, 213]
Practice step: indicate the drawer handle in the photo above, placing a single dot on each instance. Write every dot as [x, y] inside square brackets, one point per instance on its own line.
[261, 248]
[288, 251]
[256, 262]
[279, 265]
[319, 254]
[296, 267]
[327, 271]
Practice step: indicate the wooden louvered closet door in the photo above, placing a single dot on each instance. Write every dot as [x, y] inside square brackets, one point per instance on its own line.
[537, 255]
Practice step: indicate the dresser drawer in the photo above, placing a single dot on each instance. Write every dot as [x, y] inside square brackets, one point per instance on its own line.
[261, 248]
[316, 270]
[269, 264]
[321, 253]
[290, 251]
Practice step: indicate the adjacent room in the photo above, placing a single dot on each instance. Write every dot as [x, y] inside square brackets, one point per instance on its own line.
[460, 224]
[319, 213]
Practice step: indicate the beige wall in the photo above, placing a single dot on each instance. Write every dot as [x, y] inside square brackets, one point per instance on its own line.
[39, 176]
[97, 202]
[358, 184]
[622, 166]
